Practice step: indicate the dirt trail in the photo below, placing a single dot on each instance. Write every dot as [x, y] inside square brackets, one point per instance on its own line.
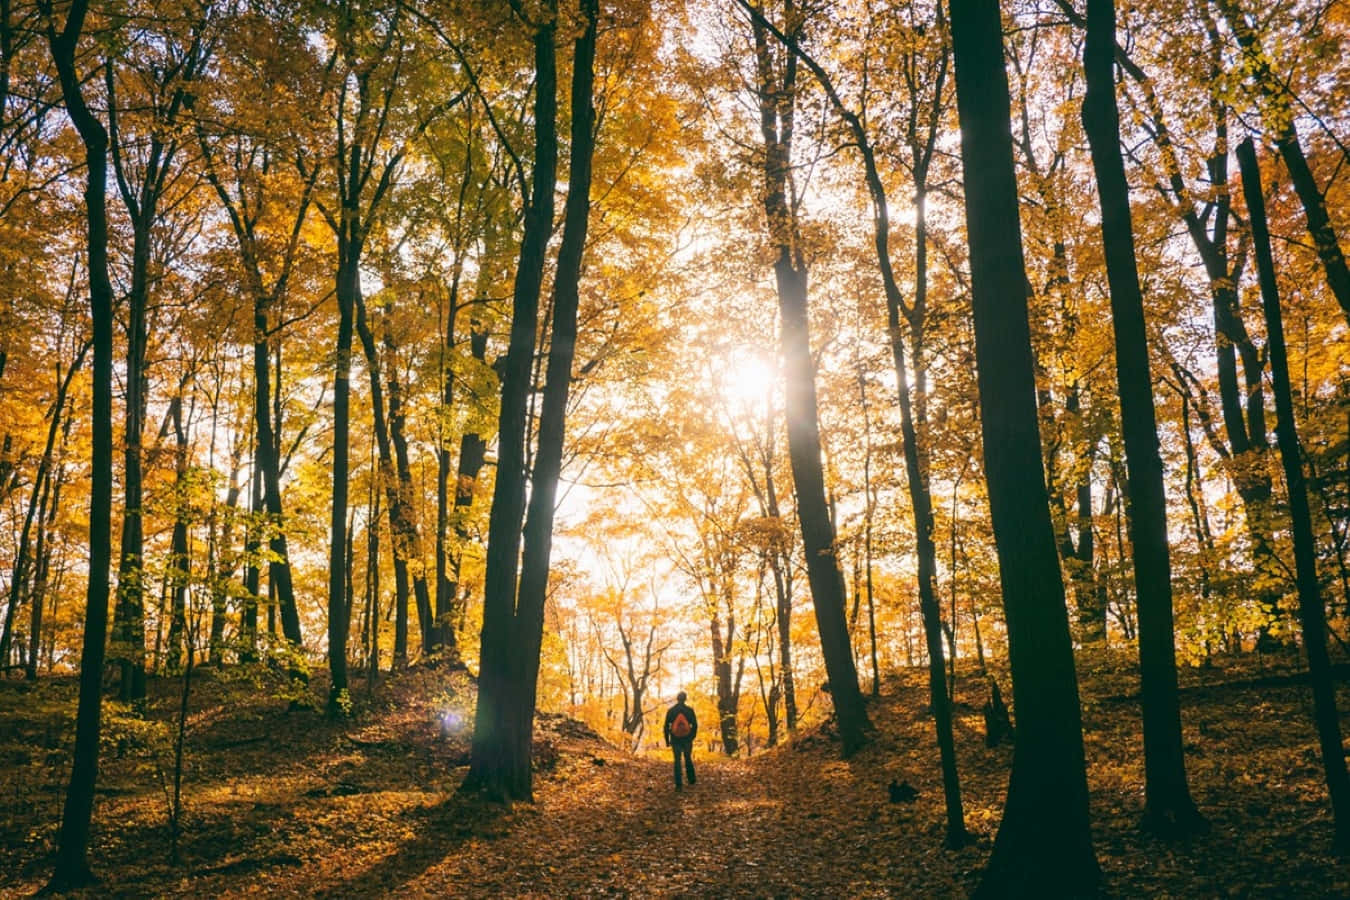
[620, 829]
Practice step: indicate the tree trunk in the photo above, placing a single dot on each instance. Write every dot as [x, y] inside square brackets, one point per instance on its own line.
[389, 481]
[728, 698]
[538, 530]
[348, 296]
[267, 458]
[780, 563]
[1291, 151]
[777, 99]
[1311, 609]
[408, 528]
[129, 613]
[1168, 808]
[500, 756]
[220, 567]
[42, 552]
[178, 570]
[451, 518]
[248, 616]
[1044, 843]
[71, 866]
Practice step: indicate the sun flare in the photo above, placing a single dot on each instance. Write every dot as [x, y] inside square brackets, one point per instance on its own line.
[748, 381]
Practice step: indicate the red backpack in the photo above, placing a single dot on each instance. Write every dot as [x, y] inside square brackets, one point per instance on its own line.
[680, 727]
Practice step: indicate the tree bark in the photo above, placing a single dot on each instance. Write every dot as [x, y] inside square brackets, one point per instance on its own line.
[179, 572]
[777, 99]
[1168, 808]
[399, 517]
[500, 755]
[348, 296]
[129, 612]
[409, 530]
[1044, 843]
[71, 867]
[1312, 612]
[728, 693]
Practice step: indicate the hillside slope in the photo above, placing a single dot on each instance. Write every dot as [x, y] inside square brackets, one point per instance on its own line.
[282, 802]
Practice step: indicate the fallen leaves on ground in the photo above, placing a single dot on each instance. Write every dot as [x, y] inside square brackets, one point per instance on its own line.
[282, 802]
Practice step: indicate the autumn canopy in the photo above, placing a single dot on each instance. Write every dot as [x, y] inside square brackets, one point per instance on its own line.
[588, 351]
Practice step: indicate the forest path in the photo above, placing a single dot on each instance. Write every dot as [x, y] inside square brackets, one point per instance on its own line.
[784, 824]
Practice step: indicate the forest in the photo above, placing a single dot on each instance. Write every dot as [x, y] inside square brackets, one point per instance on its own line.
[402, 400]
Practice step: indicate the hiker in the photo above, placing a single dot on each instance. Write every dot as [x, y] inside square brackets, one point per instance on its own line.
[681, 728]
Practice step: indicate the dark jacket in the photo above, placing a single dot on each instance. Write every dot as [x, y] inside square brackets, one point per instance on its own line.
[688, 714]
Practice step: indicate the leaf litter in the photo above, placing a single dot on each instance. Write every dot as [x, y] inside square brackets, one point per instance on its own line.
[283, 802]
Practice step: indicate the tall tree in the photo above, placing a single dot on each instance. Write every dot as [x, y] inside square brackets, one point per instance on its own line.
[1168, 808]
[921, 500]
[1312, 612]
[1044, 842]
[145, 162]
[243, 158]
[1208, 223]
[71, 867]
[375, 125]
[776, 98]
[513, 612]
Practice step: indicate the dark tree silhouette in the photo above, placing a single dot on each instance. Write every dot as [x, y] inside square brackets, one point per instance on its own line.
[1312, 613]
[513, 612]
[1168, 807]
[71, 868]
[1044, 844]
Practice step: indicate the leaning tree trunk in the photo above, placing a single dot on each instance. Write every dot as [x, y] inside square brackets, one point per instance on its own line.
[920, 498]
[1285, 130]
[1168, 807]
[1044, 843]
[71, 867]
[1311, 610]
[776, 104]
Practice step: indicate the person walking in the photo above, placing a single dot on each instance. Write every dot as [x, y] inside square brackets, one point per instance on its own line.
[681, 728]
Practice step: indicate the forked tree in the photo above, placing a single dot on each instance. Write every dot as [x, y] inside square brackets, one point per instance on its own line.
[517, 578]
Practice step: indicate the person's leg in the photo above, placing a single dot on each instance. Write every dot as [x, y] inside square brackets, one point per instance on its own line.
[689, 762]
[675, 750]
